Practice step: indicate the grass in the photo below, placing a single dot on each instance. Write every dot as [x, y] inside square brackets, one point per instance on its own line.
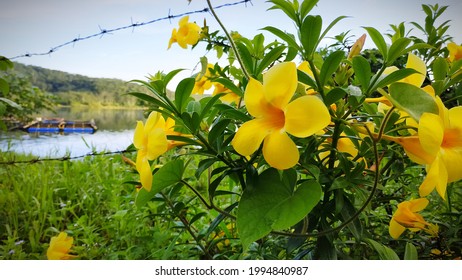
[92, 199]
[86, 198]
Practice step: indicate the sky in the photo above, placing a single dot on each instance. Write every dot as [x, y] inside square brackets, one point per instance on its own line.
[30, 26]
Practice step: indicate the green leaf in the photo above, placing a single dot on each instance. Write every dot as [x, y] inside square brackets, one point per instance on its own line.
[217, 129]
[394, 77]
[245, 56]
[183, 93]
[4, 87]
[397, 49]
[379, 41]
[410, 252]
[169, 76]
[309, 35]
[230, 85]
[288, 38]
[332, 24]
[169, 174]
[306, 79]
[306, 7]
[5, 63]
[272, 203]
[11, 103]
[150, 99]
[385, 253]
[232, 112]
[412, 100]
[286, 7]
[334, 95]
[269, 58]
[362, 70]
[440, 68]
[330, 65]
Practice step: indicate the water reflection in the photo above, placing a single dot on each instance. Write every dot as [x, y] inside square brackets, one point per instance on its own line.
[115, 133]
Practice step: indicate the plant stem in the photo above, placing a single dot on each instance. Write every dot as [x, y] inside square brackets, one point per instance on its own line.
[353, 217]
[231, 41]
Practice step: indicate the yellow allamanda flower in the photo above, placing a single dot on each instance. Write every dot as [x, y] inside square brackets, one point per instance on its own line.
[60, 247]
[151, 141]
[438, 145]
[188, 33]
[406, 216]
[455, 52]
[229, 97]
[416, 79]
[276, 116]
[203, 82]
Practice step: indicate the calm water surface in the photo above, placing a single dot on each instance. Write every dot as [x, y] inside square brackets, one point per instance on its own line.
[115, 133]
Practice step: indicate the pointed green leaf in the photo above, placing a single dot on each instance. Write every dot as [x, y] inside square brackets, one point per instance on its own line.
[170, 75]
[329, 27]
[440, 68]
[362, 70]
[273, 204]
[169, 174]
[183, 93]
[288, 38]
[306, 79]
[309, 34]
[334, 95]
[412, 100]
[397, 49]
[245, 56]
[394, 77]
[269, 58]
[286, 7]
[410, 252]
[306, 7]
[379, 41]
[385, 253]
[330, 65]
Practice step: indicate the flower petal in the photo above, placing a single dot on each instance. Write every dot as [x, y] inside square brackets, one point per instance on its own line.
[452, 161]
[249, 136]
[156, 144]
[437, 176]
[414, 150]
[414, 62]
[419, 204]
[153, 118]
[254, 99]
[395, 229]
[144, 169]
[280, 83]
[138, 137]
[280, 151]
[305, 116]
[455, 117]
[431, 133]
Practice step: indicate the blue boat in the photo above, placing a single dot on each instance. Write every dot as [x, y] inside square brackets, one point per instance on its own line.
[59, 125]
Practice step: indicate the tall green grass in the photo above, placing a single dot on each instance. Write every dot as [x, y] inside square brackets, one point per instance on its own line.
[86, 198]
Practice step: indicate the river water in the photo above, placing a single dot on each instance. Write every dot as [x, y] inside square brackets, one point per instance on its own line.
[115, 133]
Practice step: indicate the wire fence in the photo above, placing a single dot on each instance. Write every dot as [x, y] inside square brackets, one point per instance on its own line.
[132, 25]
[33, 160]
[99, 34]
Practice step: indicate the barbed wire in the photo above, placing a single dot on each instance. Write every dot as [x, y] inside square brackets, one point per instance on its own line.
[132, 25]
[63, 158]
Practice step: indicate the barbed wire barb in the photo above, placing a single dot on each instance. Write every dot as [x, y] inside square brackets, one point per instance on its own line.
[132, 25]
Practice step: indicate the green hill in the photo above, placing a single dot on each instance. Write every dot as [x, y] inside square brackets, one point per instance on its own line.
[73, 89]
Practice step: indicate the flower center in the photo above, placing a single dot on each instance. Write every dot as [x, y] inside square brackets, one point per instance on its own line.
[277, 118]
[452, 138]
